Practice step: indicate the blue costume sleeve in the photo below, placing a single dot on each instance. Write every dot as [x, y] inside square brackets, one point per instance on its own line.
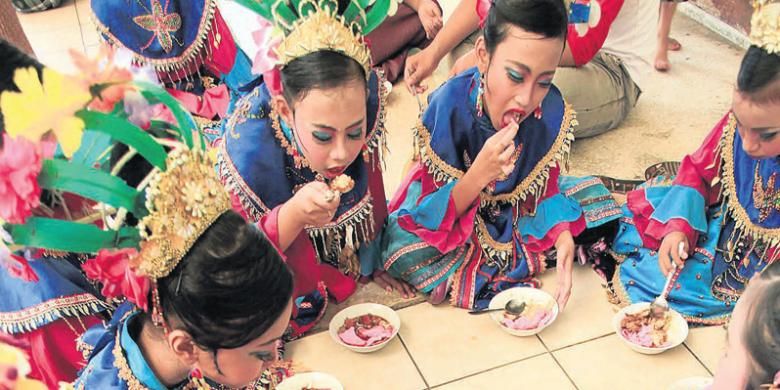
[549, 213]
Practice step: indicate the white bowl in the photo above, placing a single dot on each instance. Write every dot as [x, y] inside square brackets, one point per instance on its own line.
[305, 380]
[357, 310]
[678, 331]
[692, 383]
[525, 294]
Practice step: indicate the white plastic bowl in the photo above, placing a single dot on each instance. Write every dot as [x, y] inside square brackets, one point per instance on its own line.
[678, 331]
[305, 380]
[357, 310]
[525, 294]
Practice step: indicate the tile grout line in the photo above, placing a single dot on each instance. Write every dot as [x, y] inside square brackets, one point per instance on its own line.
[489, 369]
[697, 359]
[579, 342]
[416, 367]
[81, 29]
[557, 362]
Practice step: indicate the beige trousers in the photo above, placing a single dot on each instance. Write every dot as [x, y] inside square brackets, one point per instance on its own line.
[602, 92]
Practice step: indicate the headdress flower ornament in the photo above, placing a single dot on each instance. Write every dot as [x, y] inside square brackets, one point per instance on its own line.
[176, 203]
[309, 26]
[765, 25]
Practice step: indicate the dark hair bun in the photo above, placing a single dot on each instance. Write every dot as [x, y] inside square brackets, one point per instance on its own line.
[548, 18]
[758, 71]
[230, 288]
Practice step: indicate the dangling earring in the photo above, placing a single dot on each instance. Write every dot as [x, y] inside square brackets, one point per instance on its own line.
[157, 314]
[480, 92]
[366, 156]
[538, 112]
[196, 381]
[296, 155]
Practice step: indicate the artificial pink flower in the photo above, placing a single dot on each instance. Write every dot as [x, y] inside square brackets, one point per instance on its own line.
[20, 164]
[112, 268]
[483, 7]
[103, 78]
[265, 58]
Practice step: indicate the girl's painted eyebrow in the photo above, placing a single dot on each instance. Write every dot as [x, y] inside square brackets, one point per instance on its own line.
[527, 69]
[331, 128]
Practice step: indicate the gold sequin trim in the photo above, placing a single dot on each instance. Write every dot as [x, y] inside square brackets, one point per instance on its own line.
[771, 236]
[532, 185]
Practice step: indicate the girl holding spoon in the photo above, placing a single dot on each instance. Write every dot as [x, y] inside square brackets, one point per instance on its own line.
[723, 206]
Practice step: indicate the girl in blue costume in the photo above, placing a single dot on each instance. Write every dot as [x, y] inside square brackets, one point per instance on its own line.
[718, 220]
[211, 333]
[318, 114]
[194, 327]
[189, 45]
[485, 204]
[170, 244]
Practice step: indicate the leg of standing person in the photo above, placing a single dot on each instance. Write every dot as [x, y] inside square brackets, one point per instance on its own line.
[668, 9]
[601, 92]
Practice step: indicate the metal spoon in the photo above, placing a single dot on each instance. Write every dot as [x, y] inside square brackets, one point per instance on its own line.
[660, 305]
[514, 307]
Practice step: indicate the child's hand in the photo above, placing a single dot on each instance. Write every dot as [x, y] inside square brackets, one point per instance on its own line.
[564, 247]
[675, 248]
[315, 204]
[418, 67]
[430, 17]
[495, 161]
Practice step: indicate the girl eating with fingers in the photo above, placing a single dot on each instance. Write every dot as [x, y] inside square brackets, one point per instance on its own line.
[301, 154]
[479, 212]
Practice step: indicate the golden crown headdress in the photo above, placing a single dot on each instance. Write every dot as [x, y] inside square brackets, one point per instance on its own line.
[315, 25]
[765, 25]
[183, 201]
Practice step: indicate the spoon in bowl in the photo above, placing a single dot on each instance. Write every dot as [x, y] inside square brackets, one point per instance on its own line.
[513, 307]
[660, 305]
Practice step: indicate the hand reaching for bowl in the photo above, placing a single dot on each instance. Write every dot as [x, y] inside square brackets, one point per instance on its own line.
[564, 247]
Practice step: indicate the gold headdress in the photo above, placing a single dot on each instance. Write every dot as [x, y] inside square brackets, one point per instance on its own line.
[315, 25]
[183, 202]
[765, 25]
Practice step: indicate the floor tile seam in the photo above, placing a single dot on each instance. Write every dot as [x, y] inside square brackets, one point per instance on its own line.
[484, 371]
[414, 362]
[555, 359]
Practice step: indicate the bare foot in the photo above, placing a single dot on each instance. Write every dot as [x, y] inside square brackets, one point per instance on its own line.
[673, 44]
[662, 65]
[662, 61]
